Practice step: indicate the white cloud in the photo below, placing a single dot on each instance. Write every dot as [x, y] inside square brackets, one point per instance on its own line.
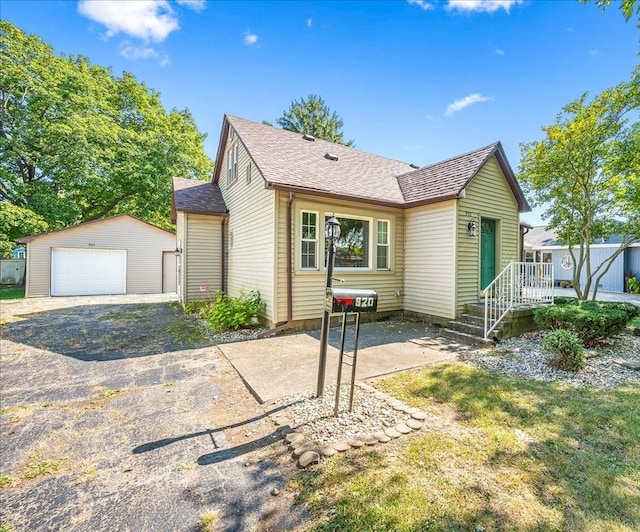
[459, 105]
[421, 3]
[499, 51]
[486, 6]
[132, 52]
[196, 5]
[149, 20]
[250, 38]
[309, 22]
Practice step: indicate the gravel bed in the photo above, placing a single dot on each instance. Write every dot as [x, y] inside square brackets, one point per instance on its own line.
[524, 357]
[227, 337]
[314, 417]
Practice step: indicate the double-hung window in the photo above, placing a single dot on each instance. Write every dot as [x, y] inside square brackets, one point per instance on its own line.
[382, 248]
[309, 240]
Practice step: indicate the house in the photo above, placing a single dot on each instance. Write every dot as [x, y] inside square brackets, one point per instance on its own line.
[18, 253]
[117, 255]
[542, 245]
[428, 239]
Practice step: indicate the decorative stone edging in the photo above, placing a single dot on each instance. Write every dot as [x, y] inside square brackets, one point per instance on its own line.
[308, 452]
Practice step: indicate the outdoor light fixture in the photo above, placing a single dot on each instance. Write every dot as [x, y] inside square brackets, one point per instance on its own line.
[472, 228]
[332, 232]
[332, 229]
[178, 251]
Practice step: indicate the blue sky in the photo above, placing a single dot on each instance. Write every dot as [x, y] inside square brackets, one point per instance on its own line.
[414, 80]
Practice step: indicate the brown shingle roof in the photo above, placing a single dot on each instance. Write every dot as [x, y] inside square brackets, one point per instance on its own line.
[202, 197]
[287, 160]
[446, 178]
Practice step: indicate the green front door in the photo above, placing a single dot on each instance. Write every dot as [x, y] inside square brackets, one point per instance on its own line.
[487, 252]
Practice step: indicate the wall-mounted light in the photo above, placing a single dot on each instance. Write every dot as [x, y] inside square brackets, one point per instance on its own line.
[472, 229]
[178, 251]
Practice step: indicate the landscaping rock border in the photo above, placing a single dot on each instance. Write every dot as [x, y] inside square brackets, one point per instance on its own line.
[307, 452]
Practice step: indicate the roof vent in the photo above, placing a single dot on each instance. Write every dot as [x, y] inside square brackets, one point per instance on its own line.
[330, 156]
[414, 166]
[308, 137]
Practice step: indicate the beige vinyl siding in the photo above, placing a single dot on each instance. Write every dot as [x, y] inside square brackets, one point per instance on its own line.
[487, 196]
[143, 243]
[309, 286]
[429, 281]
[202, 256]
[250, 232]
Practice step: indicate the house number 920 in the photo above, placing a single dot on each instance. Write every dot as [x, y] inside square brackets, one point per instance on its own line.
[364, 302]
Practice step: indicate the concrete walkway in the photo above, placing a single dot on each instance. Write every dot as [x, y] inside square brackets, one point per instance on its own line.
[601, 296]
[276, 367]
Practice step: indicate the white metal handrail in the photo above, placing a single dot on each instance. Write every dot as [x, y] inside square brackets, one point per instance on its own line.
[520, 283]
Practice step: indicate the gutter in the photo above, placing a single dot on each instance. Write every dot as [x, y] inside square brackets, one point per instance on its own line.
[289, 322]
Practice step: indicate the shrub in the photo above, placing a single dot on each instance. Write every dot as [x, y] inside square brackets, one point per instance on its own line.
[233, 313]
[634, 285]
[565, 284]
[591, 321]
[629, 309]
[561, 300]
[566, 345]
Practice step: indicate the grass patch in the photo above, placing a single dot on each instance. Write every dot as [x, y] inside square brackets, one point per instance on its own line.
[11, 292]
[209, 520]
[507, 454]
[43, 468]
[6, 480]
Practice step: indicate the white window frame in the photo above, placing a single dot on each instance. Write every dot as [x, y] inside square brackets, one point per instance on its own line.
[386, 244]
[232, 164]
[314, 241]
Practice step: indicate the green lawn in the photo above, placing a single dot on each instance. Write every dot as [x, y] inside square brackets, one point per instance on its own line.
[498, 454]
[11, 292]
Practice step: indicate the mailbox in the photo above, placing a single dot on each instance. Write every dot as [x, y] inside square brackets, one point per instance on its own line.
[348, 300]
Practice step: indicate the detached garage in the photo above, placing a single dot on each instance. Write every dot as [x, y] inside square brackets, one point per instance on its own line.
[117, 255]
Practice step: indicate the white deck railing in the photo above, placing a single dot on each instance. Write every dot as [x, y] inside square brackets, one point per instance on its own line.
[520, 283]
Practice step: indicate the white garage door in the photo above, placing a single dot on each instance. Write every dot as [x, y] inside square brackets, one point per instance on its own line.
[85, 272]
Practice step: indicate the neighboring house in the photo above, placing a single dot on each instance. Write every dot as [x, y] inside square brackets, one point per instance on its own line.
[427, 239]
[18, 253]
[117, 255]
[541, 245]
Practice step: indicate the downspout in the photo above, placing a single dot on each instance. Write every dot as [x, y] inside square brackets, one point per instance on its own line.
[288, 323]
[223, 257]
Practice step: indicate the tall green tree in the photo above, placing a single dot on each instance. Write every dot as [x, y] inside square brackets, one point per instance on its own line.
[312, 116]
[586, 173]
[78, 143]
[16, 222]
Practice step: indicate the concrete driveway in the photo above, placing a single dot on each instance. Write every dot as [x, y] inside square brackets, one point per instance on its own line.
[118, 414]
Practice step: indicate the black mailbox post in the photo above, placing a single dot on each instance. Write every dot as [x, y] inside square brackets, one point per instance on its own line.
[348, 301]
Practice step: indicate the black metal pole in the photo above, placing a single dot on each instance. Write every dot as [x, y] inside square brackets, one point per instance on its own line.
[355, 361]
[326, 318]
[340, 360]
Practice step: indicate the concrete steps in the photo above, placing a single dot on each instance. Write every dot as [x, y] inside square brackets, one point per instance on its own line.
[468, 328]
